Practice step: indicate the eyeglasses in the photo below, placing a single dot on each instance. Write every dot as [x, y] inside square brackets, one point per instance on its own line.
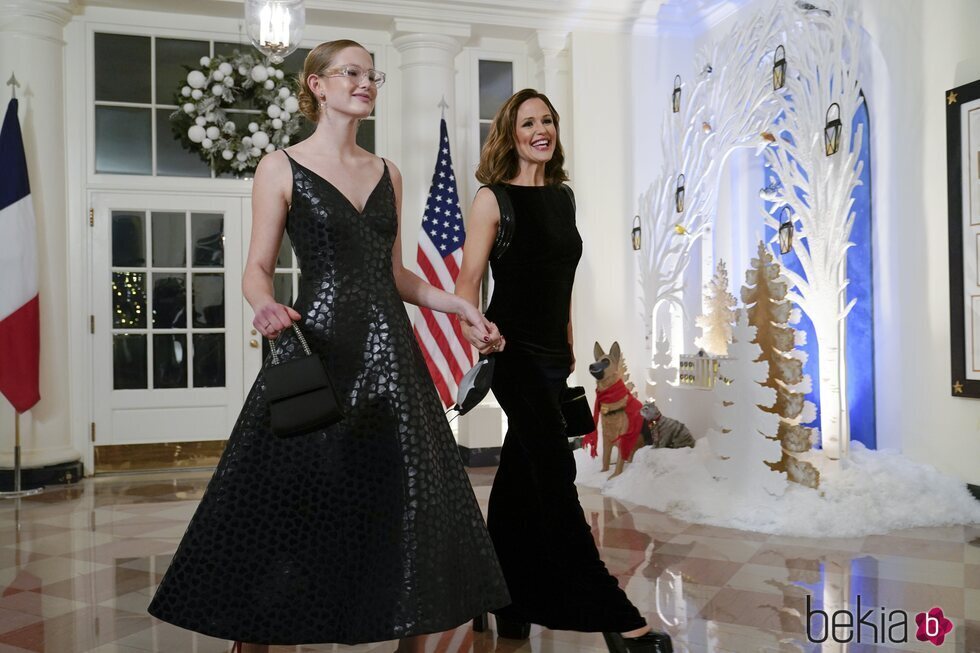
[357, 74]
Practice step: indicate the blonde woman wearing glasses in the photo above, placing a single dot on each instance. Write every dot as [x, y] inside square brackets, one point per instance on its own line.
[367, 530]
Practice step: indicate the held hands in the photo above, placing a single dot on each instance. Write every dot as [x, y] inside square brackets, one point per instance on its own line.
[480, 332]
[272, 318]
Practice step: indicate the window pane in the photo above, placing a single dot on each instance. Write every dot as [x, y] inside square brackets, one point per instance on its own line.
[123, 141]
[122, 68]
[128, 239]
[365, 135]
[129, 300]
[282, 288]
[209, 300]
[293, 64]
[285, 259]
[208, 239]
[170, 360]
[209, 360]
[128, 361]
[169, 301]
[172, 55]
[496, 85]
[172, 159]
[169, 244]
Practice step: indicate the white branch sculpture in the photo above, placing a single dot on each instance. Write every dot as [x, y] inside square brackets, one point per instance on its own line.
[732, 105]
[728, 107]
[818, 189]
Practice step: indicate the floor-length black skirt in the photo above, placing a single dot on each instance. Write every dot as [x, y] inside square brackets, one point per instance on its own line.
[545, 546]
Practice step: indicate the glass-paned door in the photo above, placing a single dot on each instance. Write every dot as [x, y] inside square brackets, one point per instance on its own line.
[167, 320]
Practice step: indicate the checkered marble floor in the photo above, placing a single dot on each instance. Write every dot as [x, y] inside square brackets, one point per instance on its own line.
[79, 564]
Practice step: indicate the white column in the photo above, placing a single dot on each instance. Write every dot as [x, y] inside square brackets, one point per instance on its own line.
[428, 74]
[551, 52]
[32, 47]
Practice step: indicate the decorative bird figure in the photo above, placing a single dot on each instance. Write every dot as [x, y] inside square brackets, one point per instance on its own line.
[681, 230]
[771, 192]
[810, 8]
[768, 138]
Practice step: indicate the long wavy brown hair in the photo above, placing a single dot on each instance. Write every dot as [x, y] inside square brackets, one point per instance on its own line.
[498, 159]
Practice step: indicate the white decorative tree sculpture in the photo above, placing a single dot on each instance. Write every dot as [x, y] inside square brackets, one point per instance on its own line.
[818, 167]
[770, 312]
[716, 324]
[662, 376]
[744, 450]
[728, 107]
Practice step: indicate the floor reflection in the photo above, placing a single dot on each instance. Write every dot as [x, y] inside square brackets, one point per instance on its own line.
[78, 566]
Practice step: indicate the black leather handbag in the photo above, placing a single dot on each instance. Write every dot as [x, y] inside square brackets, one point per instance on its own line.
[576, 411]
[300, 395]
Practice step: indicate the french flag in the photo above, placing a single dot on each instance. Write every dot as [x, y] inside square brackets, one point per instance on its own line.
[20, 342]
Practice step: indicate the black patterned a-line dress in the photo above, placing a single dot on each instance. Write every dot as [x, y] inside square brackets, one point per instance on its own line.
[364, 531]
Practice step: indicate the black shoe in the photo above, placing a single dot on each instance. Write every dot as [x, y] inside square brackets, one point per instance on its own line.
[651, 642]
[512, 629]
[480, 623]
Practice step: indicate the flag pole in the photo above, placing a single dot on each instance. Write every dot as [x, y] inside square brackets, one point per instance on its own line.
[13, 84]
[17, 491]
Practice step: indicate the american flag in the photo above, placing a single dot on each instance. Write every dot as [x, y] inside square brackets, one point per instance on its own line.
[446, 352]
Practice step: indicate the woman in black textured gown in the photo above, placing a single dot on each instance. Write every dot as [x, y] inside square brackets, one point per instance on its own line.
[546, 549]
[367, 530]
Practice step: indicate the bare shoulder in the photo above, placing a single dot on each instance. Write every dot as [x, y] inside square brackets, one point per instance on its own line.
[485, 206]
[273, 167]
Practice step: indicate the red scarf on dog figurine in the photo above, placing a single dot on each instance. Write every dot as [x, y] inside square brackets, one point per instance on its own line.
[627, 441]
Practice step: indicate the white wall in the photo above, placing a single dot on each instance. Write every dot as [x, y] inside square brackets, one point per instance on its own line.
[927, 48]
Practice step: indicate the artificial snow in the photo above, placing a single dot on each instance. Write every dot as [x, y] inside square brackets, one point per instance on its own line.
[870, 492]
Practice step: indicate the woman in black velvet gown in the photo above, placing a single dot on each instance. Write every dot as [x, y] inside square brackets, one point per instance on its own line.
[367, 530]
[553, 569]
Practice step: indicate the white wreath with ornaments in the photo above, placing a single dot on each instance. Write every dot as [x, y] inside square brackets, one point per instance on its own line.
[203, 125]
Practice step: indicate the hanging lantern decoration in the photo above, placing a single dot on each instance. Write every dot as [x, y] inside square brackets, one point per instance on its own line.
[679, 194]
[831, 133]
[786, 232]
[636, 233]
[779, 69]
[675, 98]
[275, 27]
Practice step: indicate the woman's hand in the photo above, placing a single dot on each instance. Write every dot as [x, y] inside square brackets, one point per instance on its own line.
[271, 318]
[480, 332]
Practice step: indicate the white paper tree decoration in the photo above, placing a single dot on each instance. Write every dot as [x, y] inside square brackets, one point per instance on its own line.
[716, 324]
[768, 310]
[743, 451]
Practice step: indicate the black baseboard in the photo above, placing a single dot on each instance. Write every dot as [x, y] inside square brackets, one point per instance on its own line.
[60, 474]
[476, 457]
[974, 490]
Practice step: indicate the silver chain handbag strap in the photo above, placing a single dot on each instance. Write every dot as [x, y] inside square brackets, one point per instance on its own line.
[299, 335]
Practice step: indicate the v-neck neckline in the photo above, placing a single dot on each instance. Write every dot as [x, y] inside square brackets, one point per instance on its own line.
[360, 213]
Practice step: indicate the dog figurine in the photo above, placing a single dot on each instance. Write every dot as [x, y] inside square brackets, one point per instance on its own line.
[619, 409]
[662, 432]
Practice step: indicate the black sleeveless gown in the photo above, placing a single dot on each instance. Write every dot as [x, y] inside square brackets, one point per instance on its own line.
[367, 530]
[549, 557]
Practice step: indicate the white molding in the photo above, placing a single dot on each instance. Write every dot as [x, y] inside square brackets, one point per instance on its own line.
[521, 16]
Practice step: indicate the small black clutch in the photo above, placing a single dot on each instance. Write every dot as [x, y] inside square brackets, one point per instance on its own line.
[576, 411]
[300, 395]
